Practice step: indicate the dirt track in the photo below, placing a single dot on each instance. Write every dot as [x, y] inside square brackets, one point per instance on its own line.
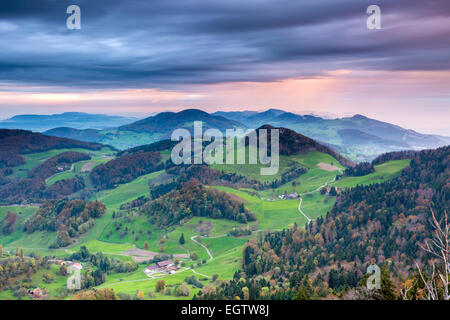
[87, 167]
[327, 167]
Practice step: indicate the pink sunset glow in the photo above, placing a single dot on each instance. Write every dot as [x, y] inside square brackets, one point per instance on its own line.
[386, 96]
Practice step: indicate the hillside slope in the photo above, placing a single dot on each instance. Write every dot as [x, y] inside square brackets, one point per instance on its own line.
[382, 223]
[292, 143]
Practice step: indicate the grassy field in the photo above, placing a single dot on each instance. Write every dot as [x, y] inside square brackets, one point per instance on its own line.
[383, 172]
[130, 283]
[19, 238]
[253, 171]
[22, 214]
[77, 170]
[224, 264]
[34, 159]
[273, 215]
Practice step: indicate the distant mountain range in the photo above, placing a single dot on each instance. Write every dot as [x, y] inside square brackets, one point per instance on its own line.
[148, 130]
[77, 120]
[164, 123]
[358, 138]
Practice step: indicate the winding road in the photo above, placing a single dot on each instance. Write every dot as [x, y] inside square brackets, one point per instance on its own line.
[204, 247]
[301, 211]
[315, 190]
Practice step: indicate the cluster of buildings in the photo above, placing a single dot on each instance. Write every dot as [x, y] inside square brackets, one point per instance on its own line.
[293, 195]
[69, 264]
[166, 266]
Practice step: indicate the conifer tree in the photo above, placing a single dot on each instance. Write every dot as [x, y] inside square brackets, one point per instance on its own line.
[181, 241]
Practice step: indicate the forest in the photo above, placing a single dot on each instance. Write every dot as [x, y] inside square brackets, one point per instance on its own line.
[125, 168]
[69, 218]
[23, 142]
[361, 169]
[193, 199]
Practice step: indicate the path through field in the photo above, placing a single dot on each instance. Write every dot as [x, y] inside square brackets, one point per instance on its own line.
[202, 245]
[315, 190]
[301, 211]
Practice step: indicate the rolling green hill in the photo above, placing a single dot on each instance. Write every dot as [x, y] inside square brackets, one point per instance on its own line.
[124, 228]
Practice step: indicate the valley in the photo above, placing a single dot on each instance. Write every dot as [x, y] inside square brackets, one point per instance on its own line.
[209, 248]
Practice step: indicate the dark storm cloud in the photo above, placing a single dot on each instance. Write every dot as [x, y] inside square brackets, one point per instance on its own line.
[141, 43]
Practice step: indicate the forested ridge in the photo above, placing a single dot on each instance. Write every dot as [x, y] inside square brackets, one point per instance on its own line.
[291, 142]
[193, 199]
[126, 168]
[22, 142]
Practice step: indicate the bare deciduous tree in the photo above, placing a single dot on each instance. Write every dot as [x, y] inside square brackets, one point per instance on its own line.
[439, 247]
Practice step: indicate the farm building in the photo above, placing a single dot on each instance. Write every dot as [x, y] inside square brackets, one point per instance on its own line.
[293, 195]
[165, 263]
[166, 266]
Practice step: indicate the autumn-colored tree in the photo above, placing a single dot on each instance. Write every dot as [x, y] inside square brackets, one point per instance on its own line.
[21, 253]
[140, 295]
[146, 245]
[160, 285]
[246, 293]
[85, 295]
[182, 290]
[100, 294]
[1, 250]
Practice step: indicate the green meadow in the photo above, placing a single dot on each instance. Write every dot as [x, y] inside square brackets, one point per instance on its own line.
[34, 159]
[383, 172]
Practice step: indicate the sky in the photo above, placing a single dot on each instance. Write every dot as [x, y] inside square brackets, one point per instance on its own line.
[144, 56]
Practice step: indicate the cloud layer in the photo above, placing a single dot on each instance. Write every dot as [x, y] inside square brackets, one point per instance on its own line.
[167, 43]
